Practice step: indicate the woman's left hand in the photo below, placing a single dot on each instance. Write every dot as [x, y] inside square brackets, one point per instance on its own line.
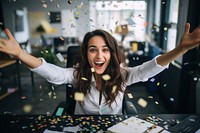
[190, 40]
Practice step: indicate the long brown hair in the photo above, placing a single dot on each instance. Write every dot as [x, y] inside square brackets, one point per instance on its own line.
[113, 69]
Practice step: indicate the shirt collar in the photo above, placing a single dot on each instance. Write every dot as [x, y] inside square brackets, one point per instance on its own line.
[93, 79]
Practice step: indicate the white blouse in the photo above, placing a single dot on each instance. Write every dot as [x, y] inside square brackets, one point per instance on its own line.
[57, 75]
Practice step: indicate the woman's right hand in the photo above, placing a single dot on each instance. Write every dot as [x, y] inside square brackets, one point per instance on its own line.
[10, 46]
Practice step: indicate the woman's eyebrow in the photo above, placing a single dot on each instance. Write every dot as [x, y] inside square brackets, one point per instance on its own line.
[92, 45]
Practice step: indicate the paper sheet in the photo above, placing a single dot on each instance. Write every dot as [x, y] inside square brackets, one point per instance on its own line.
[134, 125]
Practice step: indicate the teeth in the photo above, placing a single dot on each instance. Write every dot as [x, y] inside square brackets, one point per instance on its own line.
[99, 62]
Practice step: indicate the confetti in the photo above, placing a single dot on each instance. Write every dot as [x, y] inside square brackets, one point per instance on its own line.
[83, 78]
[142, 102]
[27, 108]
[150, 97]
[11, 90]
[165, 85]
[60, 57]
[69, 2]
[165, 28]
[195, 78]
[171, 99]
[50, 94]
[79, 6]
[130, 21]
[152, 79]
[52, 87]
[78, 96]
[106, 77]
[92, 69]
[114, 89]
[130, 95]
[23, 97]
[45, 5]
[62, 38]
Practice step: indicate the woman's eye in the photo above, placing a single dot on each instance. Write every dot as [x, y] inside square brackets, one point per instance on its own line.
[92, 50]
[105, 50]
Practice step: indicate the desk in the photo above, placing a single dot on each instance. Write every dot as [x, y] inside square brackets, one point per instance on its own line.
[5, 63]
[94, 123]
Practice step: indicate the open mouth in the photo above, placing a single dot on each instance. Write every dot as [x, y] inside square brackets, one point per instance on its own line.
[99, 64]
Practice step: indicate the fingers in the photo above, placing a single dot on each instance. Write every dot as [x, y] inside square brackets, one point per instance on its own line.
[9, 35]
[187, 28]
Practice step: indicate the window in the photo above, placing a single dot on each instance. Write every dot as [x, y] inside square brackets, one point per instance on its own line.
[172, 30]
[109, 14]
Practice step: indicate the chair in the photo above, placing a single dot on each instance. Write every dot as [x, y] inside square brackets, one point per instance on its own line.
[67, 107]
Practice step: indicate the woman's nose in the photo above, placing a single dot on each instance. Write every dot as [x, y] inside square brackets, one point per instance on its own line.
[99, 54]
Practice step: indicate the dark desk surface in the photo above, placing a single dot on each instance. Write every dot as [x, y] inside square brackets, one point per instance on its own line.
[38, 123]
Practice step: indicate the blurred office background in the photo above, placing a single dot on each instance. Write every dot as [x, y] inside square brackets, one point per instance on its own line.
[143, 28]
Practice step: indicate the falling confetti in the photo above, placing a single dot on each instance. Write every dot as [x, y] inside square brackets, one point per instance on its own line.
[23, 97]
[69, 2]
[50, 94]
[78, 96]
[142, 102]
[165, 28]
[79, 6]
[45, 5]
[130, 21]
[83, 78]
[152, 79]
[92, 69]
[27, 108]
[150, 97]
[106, 77]
[114, 89]
[130, 95]
[171, 99]
[60, 57]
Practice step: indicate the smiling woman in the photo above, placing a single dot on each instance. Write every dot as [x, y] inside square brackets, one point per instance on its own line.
[100, 51]
[98, 54]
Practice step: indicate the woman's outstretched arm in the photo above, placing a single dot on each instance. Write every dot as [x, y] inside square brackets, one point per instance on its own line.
[187, 42]
[11, 47]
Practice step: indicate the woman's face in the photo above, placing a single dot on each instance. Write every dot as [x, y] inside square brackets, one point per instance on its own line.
[98, 54]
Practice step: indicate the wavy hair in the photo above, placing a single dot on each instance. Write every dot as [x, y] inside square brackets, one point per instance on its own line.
[113, 69]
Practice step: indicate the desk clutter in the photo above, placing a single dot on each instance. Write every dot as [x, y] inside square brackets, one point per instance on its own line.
[92, 124]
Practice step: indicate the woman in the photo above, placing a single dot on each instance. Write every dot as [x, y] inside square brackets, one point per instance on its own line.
[100, 56]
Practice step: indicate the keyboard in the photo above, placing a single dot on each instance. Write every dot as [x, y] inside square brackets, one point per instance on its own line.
[189, 125]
